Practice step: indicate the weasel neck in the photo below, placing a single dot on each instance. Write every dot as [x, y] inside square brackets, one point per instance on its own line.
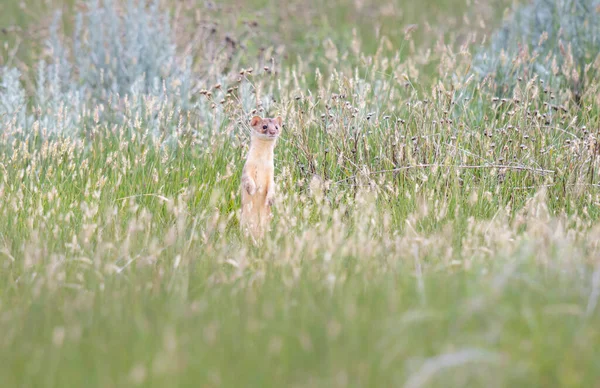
[261, 149]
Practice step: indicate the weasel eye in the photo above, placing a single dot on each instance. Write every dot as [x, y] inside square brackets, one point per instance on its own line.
[264, 127]
[276, 127]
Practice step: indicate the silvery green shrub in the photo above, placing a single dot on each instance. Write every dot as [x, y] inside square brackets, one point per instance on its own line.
[114, 52]
[555, 40]
[122, 63]
[12, 99]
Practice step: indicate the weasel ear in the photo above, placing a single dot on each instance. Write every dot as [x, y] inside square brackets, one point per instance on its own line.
[279, 120]
[255, 120]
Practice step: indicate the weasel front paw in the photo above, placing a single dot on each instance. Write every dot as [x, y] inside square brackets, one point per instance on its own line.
[270, 200]
[250, 187]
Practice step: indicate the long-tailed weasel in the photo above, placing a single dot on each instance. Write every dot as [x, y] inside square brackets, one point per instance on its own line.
[258, 176]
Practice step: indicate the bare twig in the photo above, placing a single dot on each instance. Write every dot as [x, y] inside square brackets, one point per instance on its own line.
[554, 184]
[460, 166]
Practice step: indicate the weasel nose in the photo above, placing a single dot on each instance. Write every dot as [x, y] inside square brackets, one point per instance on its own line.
[272, 132]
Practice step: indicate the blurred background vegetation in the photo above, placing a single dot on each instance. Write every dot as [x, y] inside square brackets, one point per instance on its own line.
[297, 29]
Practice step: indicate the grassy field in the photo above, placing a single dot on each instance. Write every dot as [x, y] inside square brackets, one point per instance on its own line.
[427, 233]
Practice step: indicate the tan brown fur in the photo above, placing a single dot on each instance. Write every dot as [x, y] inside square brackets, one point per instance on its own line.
[258, 176]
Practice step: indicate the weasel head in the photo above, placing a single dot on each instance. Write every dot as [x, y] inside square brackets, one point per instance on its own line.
[266, 129]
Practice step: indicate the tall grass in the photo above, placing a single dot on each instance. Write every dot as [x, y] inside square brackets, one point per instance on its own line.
[427, 232]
